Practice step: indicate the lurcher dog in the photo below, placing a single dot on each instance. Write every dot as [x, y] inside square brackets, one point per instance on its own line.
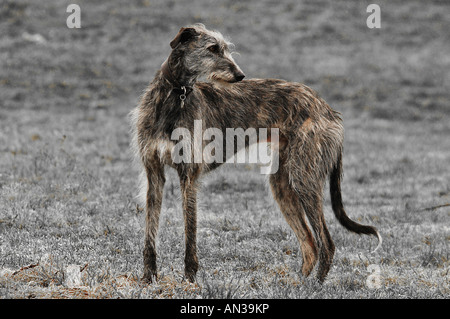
[310, 143]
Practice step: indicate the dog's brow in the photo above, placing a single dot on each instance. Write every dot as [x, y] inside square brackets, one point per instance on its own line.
[210, 40]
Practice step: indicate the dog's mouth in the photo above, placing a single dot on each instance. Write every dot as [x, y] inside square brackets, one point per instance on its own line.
[236, 80]
[227, 80]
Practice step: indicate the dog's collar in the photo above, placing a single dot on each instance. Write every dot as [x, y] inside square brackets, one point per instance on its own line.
[183, 90]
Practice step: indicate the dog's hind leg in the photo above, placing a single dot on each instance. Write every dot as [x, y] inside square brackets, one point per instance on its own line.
[294, 213]
[314, 212]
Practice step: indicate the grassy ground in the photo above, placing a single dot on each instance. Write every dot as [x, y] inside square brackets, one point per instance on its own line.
[67, 187]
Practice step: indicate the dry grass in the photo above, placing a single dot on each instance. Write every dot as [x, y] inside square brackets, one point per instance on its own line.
[67, 186]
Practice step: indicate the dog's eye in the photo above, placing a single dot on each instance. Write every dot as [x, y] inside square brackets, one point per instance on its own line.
[214, 48]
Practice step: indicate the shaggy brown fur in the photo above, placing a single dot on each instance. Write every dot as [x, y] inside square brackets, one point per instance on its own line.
[310, 148]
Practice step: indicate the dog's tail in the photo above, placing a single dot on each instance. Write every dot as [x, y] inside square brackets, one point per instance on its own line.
[338, 207]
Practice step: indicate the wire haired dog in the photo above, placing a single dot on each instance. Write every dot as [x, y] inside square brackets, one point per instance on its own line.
[309, 148]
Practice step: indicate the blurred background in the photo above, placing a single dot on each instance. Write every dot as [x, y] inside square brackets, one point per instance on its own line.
[400, 71]
[66, 179]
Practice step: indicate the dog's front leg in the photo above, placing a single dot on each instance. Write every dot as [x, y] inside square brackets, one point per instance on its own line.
[189, 193]
[155, 185]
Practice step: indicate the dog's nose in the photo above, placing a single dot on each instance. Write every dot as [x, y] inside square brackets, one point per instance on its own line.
[239, 77]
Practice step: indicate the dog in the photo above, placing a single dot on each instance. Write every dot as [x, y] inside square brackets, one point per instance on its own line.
[309, 147]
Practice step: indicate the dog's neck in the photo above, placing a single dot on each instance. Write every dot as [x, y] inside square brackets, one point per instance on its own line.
[177, 77]
[169, 75]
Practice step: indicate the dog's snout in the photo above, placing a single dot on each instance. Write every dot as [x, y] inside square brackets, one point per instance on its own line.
[239, 76]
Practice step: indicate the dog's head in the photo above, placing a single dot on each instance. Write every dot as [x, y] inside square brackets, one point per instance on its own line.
[206, 53]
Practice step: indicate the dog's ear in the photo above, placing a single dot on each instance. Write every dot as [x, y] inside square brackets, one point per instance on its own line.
[184, 35]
